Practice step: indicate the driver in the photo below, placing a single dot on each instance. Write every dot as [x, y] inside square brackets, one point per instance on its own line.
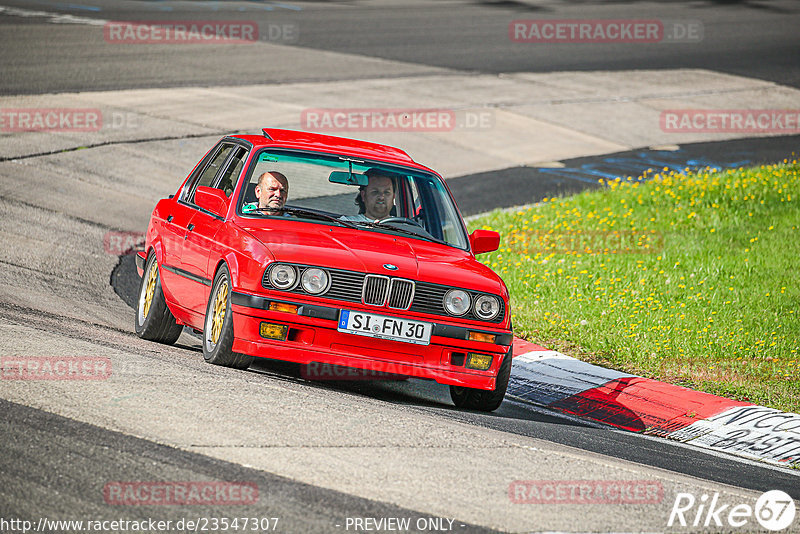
[376, 199]
[271, 192]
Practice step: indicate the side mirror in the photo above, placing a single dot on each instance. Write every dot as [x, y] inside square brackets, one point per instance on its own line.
[483, 241]
[210, 199]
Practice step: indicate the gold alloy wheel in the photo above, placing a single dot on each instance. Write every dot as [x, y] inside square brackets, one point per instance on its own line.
[150, 288]
[220, 309]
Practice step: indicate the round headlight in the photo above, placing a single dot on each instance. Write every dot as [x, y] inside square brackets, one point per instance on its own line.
[486, 307]
[315, 281]
[282, 276]
[456, 302]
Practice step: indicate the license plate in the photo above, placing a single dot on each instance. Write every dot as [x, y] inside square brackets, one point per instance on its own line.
[383, 327]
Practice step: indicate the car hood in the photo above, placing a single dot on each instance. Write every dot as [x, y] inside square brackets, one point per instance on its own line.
[369, 251]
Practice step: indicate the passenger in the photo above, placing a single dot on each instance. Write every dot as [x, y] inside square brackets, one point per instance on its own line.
[375, 200]
[272, 191]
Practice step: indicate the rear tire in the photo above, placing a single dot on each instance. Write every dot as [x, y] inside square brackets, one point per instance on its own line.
[218, 325]
[154, 321]
[481, 399]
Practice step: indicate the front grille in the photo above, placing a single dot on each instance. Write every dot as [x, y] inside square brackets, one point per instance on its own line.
[429, 298]
[345, 285]
[375, 287]
[401, 293]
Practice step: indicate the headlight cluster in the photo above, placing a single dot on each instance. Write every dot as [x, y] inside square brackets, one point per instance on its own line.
[486, 307]
[283, 276]
[313, 280]
[458, 302]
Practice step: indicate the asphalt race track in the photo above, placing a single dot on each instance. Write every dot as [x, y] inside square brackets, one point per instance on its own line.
[372, 456]
[751, 38]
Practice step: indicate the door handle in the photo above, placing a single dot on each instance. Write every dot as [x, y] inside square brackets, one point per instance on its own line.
[190, 227]
[169, 219]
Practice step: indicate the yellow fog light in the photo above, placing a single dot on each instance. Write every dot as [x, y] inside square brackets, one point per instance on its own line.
[283, 307]
[480, 362]
[480, 336]
[274, 331]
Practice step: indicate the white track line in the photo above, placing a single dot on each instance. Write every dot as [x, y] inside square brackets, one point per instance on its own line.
[51, 17]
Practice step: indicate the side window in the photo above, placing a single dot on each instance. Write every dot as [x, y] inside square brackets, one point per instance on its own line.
[207, 176]
[427, 218]
[416, 202]
[229, 177]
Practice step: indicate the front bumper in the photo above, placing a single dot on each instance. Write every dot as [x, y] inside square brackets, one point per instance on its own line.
[313, 337]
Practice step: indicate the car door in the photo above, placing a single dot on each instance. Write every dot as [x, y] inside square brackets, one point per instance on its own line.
[200, 246]
[177, 285]
[174, 219]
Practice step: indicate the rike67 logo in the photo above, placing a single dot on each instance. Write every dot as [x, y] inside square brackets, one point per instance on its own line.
[774, 511]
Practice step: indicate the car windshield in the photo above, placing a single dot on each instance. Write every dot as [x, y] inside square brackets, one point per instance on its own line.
[349, 192]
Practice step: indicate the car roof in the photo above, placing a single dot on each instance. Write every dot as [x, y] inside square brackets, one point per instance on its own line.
[276, 137]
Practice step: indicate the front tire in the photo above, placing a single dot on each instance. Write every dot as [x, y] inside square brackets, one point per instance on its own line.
[218, 326]
[154, 321]
[481, 399]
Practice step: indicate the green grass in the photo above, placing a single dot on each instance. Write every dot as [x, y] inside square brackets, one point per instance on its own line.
[687, 278]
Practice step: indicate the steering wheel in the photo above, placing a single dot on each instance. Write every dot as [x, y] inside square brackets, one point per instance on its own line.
[403, 220]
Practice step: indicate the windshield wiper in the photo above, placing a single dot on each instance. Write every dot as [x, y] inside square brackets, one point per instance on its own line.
[308, 213]
[426, 235]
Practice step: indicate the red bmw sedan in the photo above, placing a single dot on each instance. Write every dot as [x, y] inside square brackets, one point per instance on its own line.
[324, 250]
